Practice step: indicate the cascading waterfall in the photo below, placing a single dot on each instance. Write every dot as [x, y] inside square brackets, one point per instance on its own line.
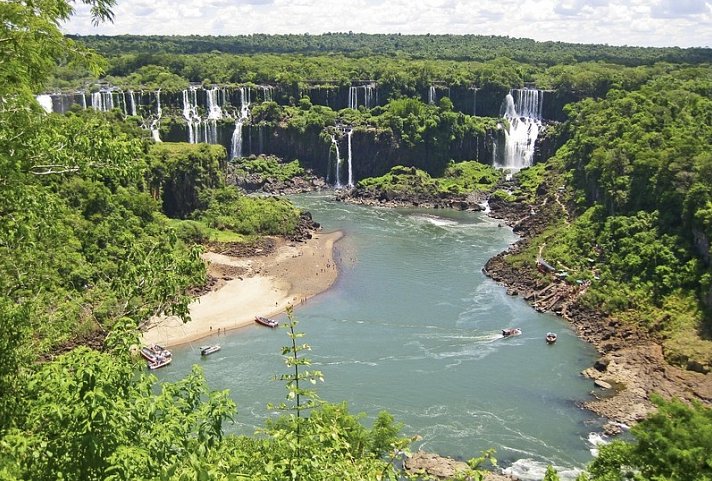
[432, 95]
[474, 101]
[191, 115]
[370, 96]
[349, 134]
[524, 117]
[156, 123]
[214, 114]
[338, 161]
[132, 99]
[236, 150]
[124, 104]
[45, 102]
[158, 103]
[102, 101]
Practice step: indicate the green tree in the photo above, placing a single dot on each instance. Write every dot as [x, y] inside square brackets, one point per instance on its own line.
[673, 444]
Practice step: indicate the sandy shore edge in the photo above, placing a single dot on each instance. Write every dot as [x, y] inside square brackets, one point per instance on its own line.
[266, 286]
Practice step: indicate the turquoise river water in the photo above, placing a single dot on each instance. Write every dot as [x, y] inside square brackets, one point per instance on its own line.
[412, 326]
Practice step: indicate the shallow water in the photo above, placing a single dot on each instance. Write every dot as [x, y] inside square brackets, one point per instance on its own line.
[412, 326]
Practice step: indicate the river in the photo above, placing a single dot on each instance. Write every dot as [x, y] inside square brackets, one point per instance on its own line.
[412, 326]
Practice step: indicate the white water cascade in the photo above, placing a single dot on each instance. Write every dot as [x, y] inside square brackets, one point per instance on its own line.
[267, 93]
[132, 99]
[156, 123]
[45, 102]
[159, 112]
[524, 117]
[191, 115]
[349, 134]
[236, 142]
[432, 95]
[102, 101]
[338, 161]
[370, 96]
[214, 114]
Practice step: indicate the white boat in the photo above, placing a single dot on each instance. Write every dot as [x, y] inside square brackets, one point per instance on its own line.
[511, 331]
[159, 362]
[266, 322]
[207, 350]
[155, 352]
[550, 337]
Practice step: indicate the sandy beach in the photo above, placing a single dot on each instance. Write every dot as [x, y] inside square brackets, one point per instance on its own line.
[252, 286]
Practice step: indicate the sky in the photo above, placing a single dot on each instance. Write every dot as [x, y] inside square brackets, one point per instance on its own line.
[653, 23]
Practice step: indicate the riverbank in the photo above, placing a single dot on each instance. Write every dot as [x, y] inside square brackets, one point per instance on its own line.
[632, 366]
[262, 284]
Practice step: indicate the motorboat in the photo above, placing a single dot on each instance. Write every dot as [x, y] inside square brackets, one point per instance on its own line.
[266, 321]
[511, 331]
[159, 362]
[550, 337]
[207, 350]
[155, 352]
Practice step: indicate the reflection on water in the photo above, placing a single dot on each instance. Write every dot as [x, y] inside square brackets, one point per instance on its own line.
[412, 326]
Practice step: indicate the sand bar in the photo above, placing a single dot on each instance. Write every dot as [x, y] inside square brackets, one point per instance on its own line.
[266, 286]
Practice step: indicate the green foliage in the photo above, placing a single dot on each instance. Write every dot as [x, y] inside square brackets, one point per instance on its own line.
[469, 176]
[32, 42]
[92, 417]
[639, 169]
[401, 182]
[227, 209]
[153, 77]
[551, 474]
[448, 47]
[269, 167]
[300, 397]
[673, 444]
[181, 173]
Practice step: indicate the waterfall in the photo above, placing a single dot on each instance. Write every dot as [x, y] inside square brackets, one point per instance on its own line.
[351, 174]
[133, 102]
[524, 117]
[338, 160]
[432, 95]
[46, 102]
[191, 115]
[353, 98]
[214, 110]
[370, 96]
[236, 150]
[474, 101]
[155, 124]
[267, 93]
[528, 102]
[84, 101]
[102, 101]
[158, 103]
[124, 104]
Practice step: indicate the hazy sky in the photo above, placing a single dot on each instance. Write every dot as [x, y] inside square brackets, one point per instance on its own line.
[683, 23]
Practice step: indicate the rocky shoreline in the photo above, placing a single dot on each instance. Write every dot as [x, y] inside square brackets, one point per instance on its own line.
[632, 367]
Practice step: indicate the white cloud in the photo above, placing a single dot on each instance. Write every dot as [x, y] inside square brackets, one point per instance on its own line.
[680, 8]
[683, 23]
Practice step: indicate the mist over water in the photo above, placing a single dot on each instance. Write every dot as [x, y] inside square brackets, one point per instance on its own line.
[412, 326]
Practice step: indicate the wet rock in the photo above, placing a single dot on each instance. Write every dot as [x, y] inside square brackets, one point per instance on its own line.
[602, 364]
[602, 384]
[430, 464]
